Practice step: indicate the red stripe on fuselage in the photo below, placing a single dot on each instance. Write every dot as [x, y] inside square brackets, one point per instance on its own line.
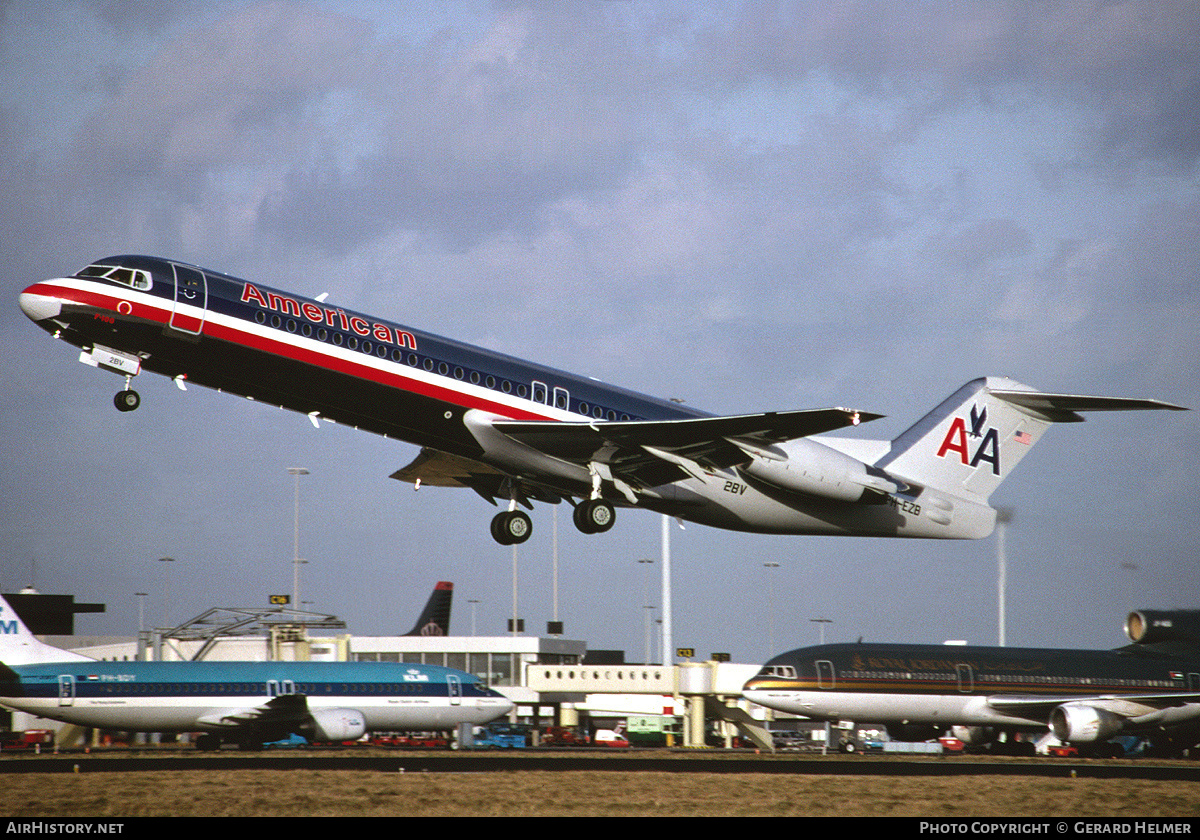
[288, 350]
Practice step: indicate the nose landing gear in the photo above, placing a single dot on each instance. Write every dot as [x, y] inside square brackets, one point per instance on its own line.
[127, 400]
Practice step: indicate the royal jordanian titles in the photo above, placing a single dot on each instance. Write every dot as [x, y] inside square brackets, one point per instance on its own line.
[1083, 697]
[247, 703]
[518, 433]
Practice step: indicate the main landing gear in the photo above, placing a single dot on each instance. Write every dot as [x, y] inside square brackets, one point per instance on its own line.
[511, 527]
[592, 516]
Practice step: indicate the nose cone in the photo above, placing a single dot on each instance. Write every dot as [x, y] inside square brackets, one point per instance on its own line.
[494, 705]
[39, 306]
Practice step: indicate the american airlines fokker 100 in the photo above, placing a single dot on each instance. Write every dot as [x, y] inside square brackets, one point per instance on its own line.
[519, 432]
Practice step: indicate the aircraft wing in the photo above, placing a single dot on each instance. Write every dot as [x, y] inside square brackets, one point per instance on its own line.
[1124, 705]
[285, 710]
[653, 452]
[645, 453]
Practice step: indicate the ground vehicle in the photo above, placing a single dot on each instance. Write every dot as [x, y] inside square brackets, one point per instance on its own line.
[561, 736]
[609, 738]
[30, 739]
[502, 736]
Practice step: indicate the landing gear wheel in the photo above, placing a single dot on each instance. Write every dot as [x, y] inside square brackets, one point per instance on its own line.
[594, 516]
[127, 400]
[208, 742]
[511, 527]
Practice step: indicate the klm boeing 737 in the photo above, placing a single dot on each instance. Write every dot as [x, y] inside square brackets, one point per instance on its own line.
[247, 703]
[520, 433]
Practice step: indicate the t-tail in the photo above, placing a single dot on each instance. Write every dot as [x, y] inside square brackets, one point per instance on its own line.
[18, 646]
[972, 441]
[435, 618]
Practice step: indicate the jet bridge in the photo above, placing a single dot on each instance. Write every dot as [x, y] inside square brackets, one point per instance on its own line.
[710, 691]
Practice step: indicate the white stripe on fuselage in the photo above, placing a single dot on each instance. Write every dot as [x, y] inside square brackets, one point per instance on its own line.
[518, 407]
[182, 714]
[886, 708]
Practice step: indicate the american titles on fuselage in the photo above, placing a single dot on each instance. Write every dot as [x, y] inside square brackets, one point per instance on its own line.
[333, 317]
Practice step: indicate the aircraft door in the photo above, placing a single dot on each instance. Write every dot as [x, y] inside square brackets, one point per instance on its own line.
[454, 684]
[66, 690]
[276, 688]
[1194, 682]
[966, 678]
[191, 290]
[825, 678]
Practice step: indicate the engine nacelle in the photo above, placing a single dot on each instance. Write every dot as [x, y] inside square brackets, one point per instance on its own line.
[335, 725]
[1148, 626]
[818, 471]
[1079, 723]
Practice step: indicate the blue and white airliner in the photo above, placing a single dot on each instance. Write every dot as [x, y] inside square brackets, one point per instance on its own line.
[520, 433]
[247, 703]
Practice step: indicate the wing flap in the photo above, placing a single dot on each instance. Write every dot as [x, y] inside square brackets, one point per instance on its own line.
[283, 710]
[441, 469]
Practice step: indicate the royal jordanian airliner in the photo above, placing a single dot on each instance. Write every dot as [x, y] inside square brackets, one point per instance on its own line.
[1084, 697]
[519, 433]
[247, 703]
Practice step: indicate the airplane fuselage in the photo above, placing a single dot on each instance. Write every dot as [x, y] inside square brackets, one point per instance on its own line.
[516, 431]
[207, 696]
[202, 327]
[951, 685]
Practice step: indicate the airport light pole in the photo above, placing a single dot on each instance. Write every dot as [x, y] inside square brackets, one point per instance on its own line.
[167, 592]
[296, 472]
[770, 607]
[473, 602]
[821, 622]
[646, 605]
[1003, 517]
[668, 652]
[141, 596]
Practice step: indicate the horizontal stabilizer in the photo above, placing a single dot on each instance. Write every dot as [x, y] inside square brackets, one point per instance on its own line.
[1061, 408]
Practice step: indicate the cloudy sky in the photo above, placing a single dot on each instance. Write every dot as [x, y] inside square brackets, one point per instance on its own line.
[750, 207]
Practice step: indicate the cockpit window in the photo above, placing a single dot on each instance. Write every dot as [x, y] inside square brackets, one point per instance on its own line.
[133, 277]
[786, 671]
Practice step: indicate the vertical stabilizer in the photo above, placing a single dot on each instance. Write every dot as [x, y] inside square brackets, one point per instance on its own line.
[18, 646]
[972, 441]
[435, 618]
